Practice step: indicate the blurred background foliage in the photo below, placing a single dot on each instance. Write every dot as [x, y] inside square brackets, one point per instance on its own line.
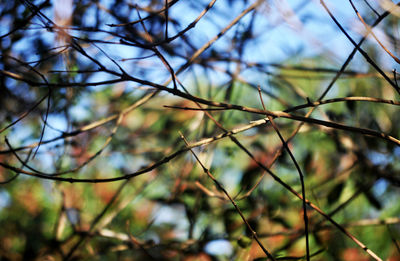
[63, 84]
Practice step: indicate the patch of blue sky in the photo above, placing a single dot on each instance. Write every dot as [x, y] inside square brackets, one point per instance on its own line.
[19, 136]
[378, 158]
[118, 160]
[57, 124]
[81, 111]
[23, 136]
[251, 132]
[46, 153]
[280, 42]
[24, 46]
[46, 161]
[220, 247]
[5, 28]
[397, 152]
[73, 215]
[274, 46]
[90, 18]
[380, 187]
[131, 163]
[5, 199]
[313, 36]
[230, 178]
[173, 215]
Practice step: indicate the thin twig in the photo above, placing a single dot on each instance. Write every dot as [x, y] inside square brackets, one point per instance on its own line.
[220, 187]
[301, 175]
[366, 56]
[369, 30]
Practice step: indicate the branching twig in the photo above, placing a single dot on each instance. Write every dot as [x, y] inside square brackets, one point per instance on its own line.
[220, 187]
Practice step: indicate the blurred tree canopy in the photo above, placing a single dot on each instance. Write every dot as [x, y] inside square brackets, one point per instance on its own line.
[199, 130]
